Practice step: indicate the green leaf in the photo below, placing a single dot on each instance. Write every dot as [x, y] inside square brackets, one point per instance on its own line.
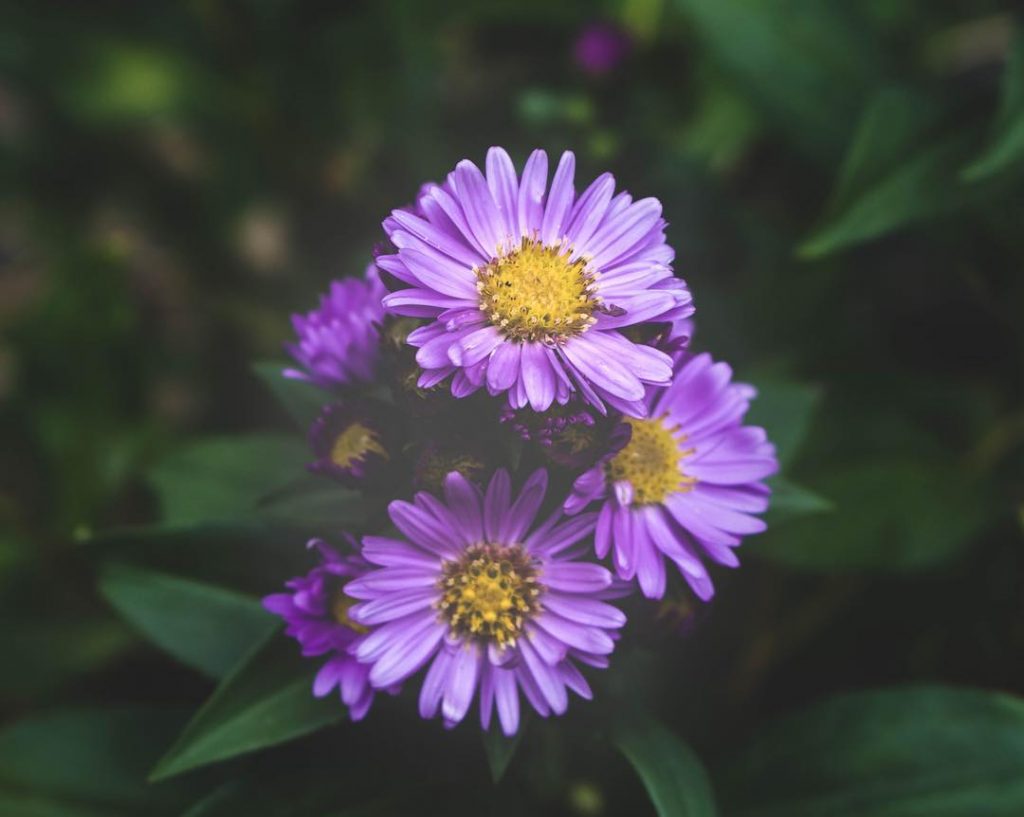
[672, 774]
[222, 479]
[791, 501]
[300, 399]
[914, 752]
[895, 174]
[202, 625]
[77, 762]
[785, 410]
[316, 504]
[500, 750]
[806, 64]
[889, 515]
[267, 700]
[1006, 147]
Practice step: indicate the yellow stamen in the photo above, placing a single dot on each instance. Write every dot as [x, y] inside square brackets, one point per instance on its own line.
[537, 293]
[340, 605]
[489, 592]
[354, 443]
[652, 462]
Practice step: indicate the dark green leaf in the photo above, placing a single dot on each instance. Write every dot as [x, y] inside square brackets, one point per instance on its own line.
[1007, 145]
[915, 752]
[889, 515]
[791, 501]
[85, 762]
[222, 479]
[205, 626]
[806, 64]
[672, 774]
[785, 410]
[300, 399]
[500, 750]
[316, 504]
[267, 700]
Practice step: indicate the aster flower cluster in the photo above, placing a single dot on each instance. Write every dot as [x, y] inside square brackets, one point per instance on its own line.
[513, 379]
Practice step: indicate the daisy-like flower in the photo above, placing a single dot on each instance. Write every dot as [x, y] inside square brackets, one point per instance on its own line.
[316, 613]
[529, 286]
[493, 602]
[339, 341]
[686, 485]
[353, 442]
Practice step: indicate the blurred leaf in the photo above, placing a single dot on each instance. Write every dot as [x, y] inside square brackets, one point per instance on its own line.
[889, 515]
[300, 399]
[791, 501]
[806, 64]
[1007, 145]
[672, 774]
[223, 478]
[895, 173]
[911, 752]
[50, 650]
[784, 409]
[500, 749]
[76, 762]
[207, 627]
[267, 700]
[316, 504]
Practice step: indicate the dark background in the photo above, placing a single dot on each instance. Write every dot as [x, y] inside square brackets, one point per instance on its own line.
[177, 178]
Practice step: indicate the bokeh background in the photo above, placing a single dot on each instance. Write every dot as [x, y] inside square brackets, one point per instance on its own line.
[844, 184]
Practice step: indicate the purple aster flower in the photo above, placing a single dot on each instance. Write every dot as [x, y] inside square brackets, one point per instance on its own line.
[686, 485]
[529, 287]
[492, 601]
[600, 47]
[316, 614]
[353, 442]
[573, 435]
[338, 343]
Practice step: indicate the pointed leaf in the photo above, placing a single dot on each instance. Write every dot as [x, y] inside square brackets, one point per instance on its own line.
[500, 750]
[300, 399]
[207, 627]
[267, 700]
[785, 410]
[1007, 145]
[934, 751]
[791, 501]
[673, 775]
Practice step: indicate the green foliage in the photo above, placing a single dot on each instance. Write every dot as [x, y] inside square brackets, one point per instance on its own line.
[672, 774]
[932, 751]
[264, 701]
[300, 399]
[207, 627]
[1006, 147]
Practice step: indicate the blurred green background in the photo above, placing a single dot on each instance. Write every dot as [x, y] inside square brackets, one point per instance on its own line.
[844, 184]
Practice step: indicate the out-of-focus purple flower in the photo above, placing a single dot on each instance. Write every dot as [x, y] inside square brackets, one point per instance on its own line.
[528, 286]
[573, 435]
[687, 484]
[353, 441]
[495, 603]
[440, 456]
[600, 47]
[316, 614]
[339, 342]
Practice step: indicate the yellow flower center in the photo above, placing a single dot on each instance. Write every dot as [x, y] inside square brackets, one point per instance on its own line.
[537, 293]
[652, 462]
[340, 605]
[489, 592]
[354, 443]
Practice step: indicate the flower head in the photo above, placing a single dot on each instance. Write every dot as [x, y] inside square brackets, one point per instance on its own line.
[573, 435]
[528, 286]
[493, 602]
[316, 614]
[338, 343]
[353, 442]
[686, 485]
[600, 47]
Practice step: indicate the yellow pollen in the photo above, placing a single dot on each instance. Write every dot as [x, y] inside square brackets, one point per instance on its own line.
[354, 443]
[652, 462]
[340, 605]
[489, 592]
[537, 293]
